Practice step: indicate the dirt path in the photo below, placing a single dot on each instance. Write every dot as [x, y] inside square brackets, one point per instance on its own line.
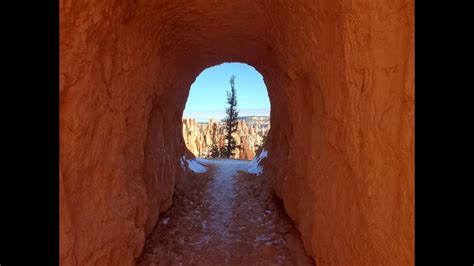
[224, 217]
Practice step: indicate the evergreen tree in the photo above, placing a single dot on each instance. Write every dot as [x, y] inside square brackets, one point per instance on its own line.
[231, 121]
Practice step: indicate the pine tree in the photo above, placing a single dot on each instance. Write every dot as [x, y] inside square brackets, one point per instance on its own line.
[231, 121]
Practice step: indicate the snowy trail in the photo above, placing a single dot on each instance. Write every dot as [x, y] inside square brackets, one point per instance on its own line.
[222, 193]
[224, 216]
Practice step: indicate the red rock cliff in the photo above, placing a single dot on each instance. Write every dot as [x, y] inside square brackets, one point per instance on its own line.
[340, 80]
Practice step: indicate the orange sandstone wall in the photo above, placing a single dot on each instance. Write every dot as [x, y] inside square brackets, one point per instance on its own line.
[344, 162]
[340, 81]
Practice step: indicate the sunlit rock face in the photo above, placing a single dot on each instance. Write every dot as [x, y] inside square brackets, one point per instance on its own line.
[340, 79]
[198, 137]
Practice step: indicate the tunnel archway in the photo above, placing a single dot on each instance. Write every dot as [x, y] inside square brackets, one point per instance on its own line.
[340, 77]
[203, 124]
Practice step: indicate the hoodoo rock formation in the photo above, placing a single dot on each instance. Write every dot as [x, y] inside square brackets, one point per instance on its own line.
[198, 137]
[340, 151]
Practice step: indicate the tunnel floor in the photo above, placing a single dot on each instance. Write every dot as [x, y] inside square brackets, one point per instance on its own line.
[225, 216]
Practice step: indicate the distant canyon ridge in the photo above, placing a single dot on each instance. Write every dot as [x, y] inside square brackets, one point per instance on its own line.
[251, 134]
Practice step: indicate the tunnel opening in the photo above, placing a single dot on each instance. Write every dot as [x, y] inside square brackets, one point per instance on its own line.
[204, 117]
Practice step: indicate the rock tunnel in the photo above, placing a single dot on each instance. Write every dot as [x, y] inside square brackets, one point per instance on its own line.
[340, 80]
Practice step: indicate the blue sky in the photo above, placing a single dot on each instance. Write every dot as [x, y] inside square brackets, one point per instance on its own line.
[207, 97]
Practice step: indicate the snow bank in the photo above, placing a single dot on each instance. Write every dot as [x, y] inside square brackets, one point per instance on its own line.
[254, 165]
[203, 161]
[196, 167]
[182, 163]
[193, 165]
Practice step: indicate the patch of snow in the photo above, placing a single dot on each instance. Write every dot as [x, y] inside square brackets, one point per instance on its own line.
[196, 167]
[182, 163]
[281, 259]
[222, 162]
[262, 238]
[193, 165]
[254, 165]
[203, 161]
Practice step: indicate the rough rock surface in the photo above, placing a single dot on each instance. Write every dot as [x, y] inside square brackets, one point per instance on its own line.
[341, 148]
